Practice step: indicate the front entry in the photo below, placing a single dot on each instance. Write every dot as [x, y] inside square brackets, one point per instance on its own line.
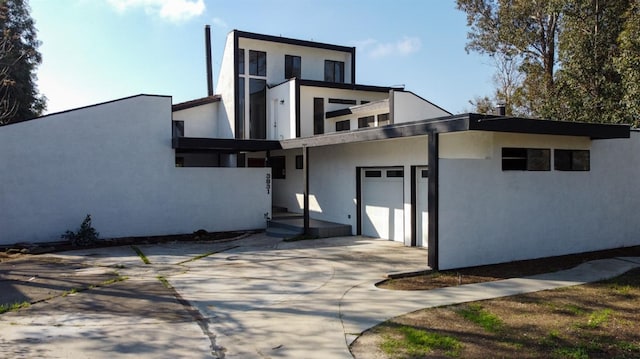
[383, 203]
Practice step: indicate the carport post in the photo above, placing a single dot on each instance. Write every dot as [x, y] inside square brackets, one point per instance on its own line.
[305, 195]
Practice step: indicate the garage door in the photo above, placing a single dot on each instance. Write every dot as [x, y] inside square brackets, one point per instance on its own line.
[382, 203]
[422, 206]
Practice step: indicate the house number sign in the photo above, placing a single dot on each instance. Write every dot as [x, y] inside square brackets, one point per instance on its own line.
[268, 183]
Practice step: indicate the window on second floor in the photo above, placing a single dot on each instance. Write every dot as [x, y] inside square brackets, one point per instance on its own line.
[241, 61]
[343, 125]
[257, 63]
[292, 66]
[333, 71]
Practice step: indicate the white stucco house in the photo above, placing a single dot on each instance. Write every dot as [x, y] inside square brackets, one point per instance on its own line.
[289, 128]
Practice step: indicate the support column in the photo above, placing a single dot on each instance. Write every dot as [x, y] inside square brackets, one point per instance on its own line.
[305, 166]
[433, 155]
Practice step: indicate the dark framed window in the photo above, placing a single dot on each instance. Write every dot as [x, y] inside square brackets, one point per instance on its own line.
[299, 162]
[383, 119]
[342, 101]
[239, 121]
[395, 173]
[241, 61]
[526, 159]
[255, 162]
[373, 173]
[343, 125]
[333, 71]
[177, 129]
[364, 102]
[292, 66]
[318, 115]
[257, 108]
[257, 63]
[571, 160]
[367, 121]
[278, 167]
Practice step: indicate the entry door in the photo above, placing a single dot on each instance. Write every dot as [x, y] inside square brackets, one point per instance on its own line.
[422, 206]
[383, 203]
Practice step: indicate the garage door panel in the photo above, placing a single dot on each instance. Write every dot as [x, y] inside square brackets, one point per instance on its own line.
[383, 205]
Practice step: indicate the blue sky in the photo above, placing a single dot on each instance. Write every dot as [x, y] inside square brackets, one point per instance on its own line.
[99, 50]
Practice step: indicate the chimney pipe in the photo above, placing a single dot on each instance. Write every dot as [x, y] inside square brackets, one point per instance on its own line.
[501, 108]
[207, 43]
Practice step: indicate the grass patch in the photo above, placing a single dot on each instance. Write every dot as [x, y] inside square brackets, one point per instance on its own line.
[417, 343]
[597, 318]
[300, 237]
[13, 306]
[476, 314]
[571, 353]
[164, 281]
[141, 255]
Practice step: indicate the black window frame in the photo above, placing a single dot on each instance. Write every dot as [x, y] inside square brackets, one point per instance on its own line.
[292, 66]
[367, 121]
[318, 115]
[526, 159]
[299, 162]
[240, 61]
[570, 160]
[334, 71]
[257, 63]
[344, 125]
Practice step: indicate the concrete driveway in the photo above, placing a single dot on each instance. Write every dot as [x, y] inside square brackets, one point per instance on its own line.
[256, 297]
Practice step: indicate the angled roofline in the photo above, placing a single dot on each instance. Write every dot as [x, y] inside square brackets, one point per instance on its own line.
[344, 86]
[424, 99]
[195, 103]
[464, 122]
[84, 107]
[290, 41]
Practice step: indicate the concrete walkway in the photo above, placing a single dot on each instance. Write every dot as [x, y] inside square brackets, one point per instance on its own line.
[257, 297]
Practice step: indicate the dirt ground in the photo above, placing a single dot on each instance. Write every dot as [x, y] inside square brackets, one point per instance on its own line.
[597, 320]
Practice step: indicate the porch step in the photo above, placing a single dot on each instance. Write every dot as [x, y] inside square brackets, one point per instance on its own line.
[294, 225]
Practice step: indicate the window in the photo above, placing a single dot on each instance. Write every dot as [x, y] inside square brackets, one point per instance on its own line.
[277, 164]
[395, 173]
[299, 162]
[333, 71]
[258, 109]
[343, 125]
[571, 160]
[373, 174]
[239, 121]
[257, 63]
[383, 119]
[292, 66]
[342, 101]
[178, 129]
[318, 115]
[241, 61]
[526, 159]
[367, 121]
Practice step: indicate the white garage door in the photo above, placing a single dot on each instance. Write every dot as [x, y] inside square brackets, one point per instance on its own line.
[382, 203]
[422, 206]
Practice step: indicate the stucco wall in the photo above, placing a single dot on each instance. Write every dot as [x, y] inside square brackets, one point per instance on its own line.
[199, 121]
[115, 162]
[408, 107]
[490, 216]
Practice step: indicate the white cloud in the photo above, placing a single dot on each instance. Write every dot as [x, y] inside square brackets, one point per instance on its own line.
[172, 10]
[218, 22]
[405, 46]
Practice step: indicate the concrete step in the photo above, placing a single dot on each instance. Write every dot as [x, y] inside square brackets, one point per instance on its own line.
[278, 232]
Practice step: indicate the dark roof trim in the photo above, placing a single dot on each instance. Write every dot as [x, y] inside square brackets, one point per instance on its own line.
[224, 144]
[338, 113]
[594, 131]
[84, 107]
[343, 86]
[195, 103]
[464, 122]
[289, 41]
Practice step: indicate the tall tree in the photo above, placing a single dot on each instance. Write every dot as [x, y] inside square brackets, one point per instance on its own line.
[19, 59]
[526, 30]
[588, 81]
[628, 62]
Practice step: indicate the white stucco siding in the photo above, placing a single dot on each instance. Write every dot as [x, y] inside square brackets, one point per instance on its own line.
[115, 162]
[281, 112]
[487, 215]
[199, 121]
[308, 93]
[311, 58]
[408, 107]
[332, 178]
[226, 88]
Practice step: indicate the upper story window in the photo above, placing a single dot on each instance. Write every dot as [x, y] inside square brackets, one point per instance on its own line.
[241, 61]
[333, 71]
[257, 63]
[571, 160]
[292, 66]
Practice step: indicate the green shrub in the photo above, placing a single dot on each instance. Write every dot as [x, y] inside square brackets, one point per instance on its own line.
[86, 234]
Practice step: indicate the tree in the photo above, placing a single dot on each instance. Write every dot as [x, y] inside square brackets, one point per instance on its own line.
[589, 85]
[19, 58]
[628, 62]
[525, 31]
